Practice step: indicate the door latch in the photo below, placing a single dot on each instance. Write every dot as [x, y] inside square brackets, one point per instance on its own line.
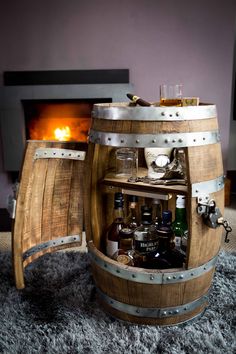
[211, 214]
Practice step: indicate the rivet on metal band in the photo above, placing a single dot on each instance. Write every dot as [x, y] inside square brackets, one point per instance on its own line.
[52, 243]
[153, 113]
[130, 273]
[151, 312]
[154, 140]
[55, 153]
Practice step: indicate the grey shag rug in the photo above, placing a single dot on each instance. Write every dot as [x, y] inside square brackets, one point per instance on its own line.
[57, 312]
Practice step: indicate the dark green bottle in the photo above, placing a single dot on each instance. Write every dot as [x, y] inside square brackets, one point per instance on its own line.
[179, 225]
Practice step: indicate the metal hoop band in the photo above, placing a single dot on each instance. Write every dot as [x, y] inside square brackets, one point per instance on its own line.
[206, 187]
[152, 312]
[52, 243]
[55, 153]
[154, 140]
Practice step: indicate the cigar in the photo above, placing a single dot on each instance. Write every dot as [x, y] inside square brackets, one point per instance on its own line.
[138, 100]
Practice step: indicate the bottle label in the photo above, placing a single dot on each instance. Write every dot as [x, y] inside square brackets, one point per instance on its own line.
[146, 246]
[177, 241]
[112, 247]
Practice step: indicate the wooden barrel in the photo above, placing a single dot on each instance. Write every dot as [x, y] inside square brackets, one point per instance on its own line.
[49, 206]
[155, 296]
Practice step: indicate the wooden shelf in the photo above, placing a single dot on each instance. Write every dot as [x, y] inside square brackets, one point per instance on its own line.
[111, 180]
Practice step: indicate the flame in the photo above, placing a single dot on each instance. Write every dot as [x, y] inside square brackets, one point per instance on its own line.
[63, 122]
[62, 134]
[69, 129]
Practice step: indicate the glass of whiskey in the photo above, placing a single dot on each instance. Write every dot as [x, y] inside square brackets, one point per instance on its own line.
[171, 95]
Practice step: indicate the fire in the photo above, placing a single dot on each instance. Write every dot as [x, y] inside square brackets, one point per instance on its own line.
[62, 134]
[63, 129]
[60, 121]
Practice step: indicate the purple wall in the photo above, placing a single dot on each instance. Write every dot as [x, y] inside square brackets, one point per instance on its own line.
[159, 41]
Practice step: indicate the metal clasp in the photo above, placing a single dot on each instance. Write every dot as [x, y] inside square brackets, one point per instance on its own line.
[211, 214]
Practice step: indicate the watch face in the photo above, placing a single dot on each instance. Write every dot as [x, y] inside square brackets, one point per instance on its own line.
[162, 160]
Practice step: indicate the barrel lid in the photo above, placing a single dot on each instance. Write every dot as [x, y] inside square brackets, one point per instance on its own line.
[123, 111]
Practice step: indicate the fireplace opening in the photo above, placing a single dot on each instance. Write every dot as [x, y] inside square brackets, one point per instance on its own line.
[60, 120]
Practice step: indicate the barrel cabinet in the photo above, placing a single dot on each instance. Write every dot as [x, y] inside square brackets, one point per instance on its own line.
[154, 296]
[67, 187]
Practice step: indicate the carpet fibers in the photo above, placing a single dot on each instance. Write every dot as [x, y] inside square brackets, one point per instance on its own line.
[58, 312]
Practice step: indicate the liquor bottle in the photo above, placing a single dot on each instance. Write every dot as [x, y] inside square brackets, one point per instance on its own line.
[125, 254]
[112, 239]
[165, 232]
[156, 212]
[145, 244]
[138, 100]
[132, 218]
[166, 256]
[179, 226]
[166, 218]
[146, 215]
[126, 239]
[145, 237]
[161, 258]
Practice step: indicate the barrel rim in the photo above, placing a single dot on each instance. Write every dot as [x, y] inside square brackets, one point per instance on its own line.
[148, 276]
[122, 111]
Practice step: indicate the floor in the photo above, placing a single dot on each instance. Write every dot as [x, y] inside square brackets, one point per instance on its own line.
[230, 216]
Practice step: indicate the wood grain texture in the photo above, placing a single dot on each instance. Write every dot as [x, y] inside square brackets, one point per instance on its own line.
[49, 203]
[154, 127]
[204, 163]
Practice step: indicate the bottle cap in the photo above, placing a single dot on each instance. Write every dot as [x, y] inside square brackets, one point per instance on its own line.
[126, 232]
[180, 201]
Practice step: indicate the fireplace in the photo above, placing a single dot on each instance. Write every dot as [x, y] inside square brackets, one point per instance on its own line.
[43, 97]
[62, 120]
